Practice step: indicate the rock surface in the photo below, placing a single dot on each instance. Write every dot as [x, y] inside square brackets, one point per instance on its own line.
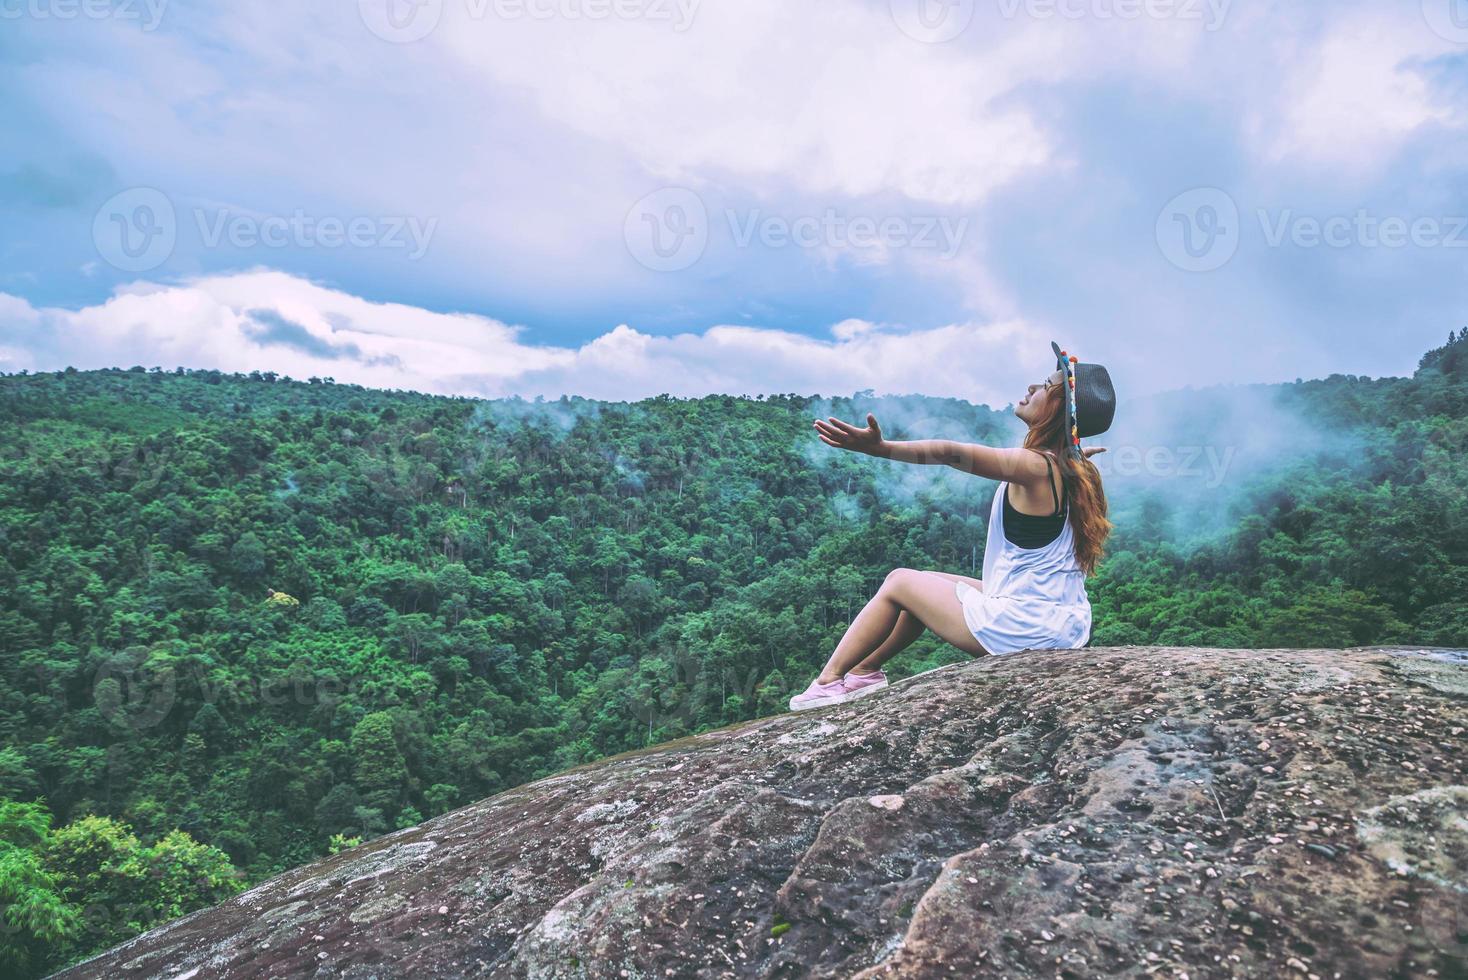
[1126, 811]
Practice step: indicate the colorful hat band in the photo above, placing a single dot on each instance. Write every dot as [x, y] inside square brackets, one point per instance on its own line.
[1067, 364]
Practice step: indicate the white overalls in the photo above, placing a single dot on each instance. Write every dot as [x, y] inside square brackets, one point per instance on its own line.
[1033, 598]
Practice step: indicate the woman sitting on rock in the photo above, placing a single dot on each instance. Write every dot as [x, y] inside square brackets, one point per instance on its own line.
[1046, 531]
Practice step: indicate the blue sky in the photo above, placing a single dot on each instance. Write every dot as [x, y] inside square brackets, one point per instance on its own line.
[621, 198]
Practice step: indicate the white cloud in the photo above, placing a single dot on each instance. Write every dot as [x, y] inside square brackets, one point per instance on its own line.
[1350, 100]
[271, 321]
[832, 99]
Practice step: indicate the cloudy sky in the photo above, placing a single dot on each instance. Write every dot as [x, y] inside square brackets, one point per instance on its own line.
[623, 197]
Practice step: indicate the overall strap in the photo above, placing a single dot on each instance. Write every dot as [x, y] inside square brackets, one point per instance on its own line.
[1050, 481]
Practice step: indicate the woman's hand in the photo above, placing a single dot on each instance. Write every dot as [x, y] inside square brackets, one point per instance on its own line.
[1090, 451]
[844, 435]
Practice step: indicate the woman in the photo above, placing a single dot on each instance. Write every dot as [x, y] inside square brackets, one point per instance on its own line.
[1047, 528]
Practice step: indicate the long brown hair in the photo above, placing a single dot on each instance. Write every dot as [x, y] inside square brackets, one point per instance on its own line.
[1082, 480]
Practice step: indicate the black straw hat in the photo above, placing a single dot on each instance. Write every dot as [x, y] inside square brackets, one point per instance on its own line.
[1090, 398]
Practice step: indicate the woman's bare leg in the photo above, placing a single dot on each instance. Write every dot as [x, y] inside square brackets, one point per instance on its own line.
[908, 628]
[929, 599]
[976, 583]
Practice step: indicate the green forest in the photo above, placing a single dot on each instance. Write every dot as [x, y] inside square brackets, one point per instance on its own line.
[247, 620]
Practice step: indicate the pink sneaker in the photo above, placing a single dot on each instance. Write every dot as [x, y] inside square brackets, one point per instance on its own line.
[860, 685]
[819, 695]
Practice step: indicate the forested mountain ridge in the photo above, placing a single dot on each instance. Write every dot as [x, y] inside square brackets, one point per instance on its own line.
[270, 613]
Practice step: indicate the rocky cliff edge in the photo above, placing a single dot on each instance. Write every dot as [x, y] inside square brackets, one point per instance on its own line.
[1120, 811]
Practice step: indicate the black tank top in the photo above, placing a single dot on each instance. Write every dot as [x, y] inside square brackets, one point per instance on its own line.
[1032, 530]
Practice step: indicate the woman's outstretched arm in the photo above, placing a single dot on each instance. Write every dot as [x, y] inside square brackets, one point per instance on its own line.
[1022, 466]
